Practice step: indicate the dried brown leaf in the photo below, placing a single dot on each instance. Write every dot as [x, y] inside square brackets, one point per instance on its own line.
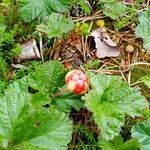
[29, 51]
[104, 45]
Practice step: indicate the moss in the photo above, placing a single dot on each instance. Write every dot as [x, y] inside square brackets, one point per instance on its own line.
[92, 64]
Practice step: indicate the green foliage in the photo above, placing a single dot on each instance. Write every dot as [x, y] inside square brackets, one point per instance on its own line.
[121, 13]
[146, 80]
[47, 77]
[146, 114]
[32, 9]
[3, 68]
[67, 101]
[143, 29]
[40, 99]
[129, 18]
[2, 31]
[22, 112]
[121, 23]
[87, 135]
[42, 129]
[85, 6]
[44, 81]
[16, 51]
[32, 115]
[114, 10]
[141, 131]
[93, 64]
[20, 85]
[2, 86]
[82, 29]
[110, 99]
[4, 35]
[85, 138]
[118, 144]
[56, 26]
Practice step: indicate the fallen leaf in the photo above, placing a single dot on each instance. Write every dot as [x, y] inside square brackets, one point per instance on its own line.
[18, 66]
[104, 45]
[29, 51]
[105, 37]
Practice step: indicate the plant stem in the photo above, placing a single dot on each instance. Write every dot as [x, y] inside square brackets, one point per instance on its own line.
[60, 93]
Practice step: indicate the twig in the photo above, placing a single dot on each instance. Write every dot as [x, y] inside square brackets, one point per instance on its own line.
[148, 3]
[83, 69]
[140, 63]
[123, 76]
[83, 49]
[135, 83]
[90, 26]
[129, 77]
[63, 91]
[89, 18]
[41, 50]
[118, 63]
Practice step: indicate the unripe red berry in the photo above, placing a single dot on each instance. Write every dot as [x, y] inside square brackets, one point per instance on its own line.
[77, 82]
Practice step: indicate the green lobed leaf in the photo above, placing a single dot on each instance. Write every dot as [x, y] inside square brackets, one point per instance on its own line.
[114, 9]
[56, 26]
[11, 106]
[42, 88]
[47, 77]
[32, 9]
[20, 112]
[22, 126]
[118, 144]
[143, 29]
[43, 130]
[141, 131]
[20, 85]
[110, 99]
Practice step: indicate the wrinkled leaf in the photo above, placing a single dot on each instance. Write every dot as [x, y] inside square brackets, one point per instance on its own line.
[20, 85]
[114, 10]
[110, 99]
[47, 77]
[31, 9]
[141, 131]
[22, 126]
[56, 26]
[11, 106]
[118, 144]
[44, 130]
[40, 99]
[143, 29]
